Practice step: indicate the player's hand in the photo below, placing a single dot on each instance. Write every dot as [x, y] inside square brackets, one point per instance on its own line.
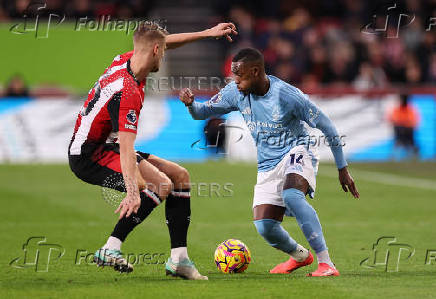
[223, 29]
[186, 96]
[347, 182]
[130, 204]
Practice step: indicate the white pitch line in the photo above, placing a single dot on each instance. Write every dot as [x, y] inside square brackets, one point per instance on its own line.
[387, 179]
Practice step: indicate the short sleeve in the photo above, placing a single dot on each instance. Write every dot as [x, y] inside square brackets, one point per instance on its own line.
[130, 108]
[124, 110]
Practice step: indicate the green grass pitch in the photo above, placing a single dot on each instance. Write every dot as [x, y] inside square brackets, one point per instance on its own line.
[47, 200]
[83, 55]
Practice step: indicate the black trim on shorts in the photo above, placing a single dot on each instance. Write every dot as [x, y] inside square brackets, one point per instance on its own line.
[144, 156]
[93, 173]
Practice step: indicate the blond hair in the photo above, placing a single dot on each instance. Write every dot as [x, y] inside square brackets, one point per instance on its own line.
[148, 32]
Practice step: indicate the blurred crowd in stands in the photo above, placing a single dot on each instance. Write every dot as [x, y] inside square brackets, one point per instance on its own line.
[79, 8]
[16, 87]
[340, 41]
[308, 43]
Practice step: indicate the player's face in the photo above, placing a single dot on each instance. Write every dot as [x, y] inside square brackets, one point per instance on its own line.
[243, 76]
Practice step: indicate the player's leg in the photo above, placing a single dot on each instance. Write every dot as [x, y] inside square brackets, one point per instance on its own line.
[177, 206]
[294, 193]
[158, 185]
[177, 213]
[105, 170]
[267, 219]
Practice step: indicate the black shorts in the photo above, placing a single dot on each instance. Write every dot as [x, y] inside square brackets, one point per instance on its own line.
[102, 166]
[404, 136]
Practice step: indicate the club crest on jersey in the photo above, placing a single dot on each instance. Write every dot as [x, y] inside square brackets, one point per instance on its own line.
[276, 114]
[131, 117]
[247, 110]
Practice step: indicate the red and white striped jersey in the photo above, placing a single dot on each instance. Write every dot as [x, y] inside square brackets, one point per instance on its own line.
[113, 105]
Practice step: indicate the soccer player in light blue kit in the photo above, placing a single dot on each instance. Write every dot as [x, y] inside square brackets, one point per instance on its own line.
[275, 113]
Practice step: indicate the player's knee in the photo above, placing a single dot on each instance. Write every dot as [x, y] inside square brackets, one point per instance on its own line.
[141, 182]
[268, 228]
[295, 201]
[165, 186]
[181, 178]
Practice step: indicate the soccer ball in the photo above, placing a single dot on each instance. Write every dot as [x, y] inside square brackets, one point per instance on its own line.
[232, 256]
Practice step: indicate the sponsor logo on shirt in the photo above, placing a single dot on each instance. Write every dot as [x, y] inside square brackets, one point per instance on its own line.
[131, 127]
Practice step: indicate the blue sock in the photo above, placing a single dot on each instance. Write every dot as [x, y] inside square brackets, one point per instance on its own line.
[306, 217]
[275, 235]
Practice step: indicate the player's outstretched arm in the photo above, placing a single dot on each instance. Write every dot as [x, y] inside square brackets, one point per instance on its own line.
[217, 105]
[222, 29]
[197, 110]
[328, 128]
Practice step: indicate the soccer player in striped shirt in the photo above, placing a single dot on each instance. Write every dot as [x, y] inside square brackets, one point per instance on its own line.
[102, 152]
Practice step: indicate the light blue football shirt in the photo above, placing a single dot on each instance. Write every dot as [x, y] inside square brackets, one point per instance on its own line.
[275, 120]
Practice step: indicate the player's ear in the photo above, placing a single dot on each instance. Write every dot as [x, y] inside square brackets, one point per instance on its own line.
[255, 71]
[156, 49]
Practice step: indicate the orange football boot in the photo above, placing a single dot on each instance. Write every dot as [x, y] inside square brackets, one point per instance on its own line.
[291, 265]
[324, 270]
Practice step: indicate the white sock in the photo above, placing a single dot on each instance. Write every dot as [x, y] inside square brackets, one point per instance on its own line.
[179, 254]
[300, 253]
[323, 257]
[113, 243]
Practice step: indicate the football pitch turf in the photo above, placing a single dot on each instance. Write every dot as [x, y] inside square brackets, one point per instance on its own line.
[397, 200]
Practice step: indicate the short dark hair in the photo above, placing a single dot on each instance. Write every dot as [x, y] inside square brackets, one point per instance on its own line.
[248, 55]
[149, 31]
